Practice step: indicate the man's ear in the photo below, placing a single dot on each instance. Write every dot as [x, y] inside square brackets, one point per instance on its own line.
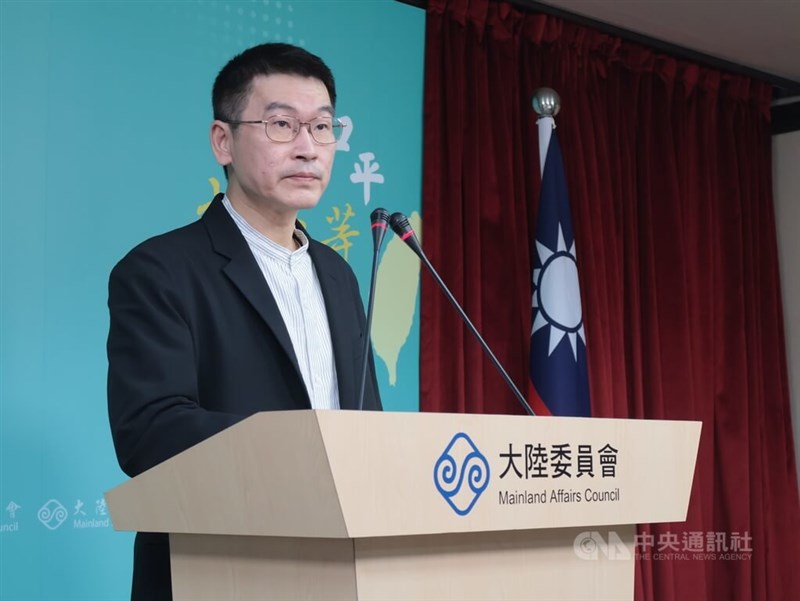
[221, 137]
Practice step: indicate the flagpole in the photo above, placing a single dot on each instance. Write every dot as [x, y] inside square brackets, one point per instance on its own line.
[546, 102]
[546, 125]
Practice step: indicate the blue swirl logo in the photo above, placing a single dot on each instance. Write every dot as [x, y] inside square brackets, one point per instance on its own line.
[52, 514]
[461, 462]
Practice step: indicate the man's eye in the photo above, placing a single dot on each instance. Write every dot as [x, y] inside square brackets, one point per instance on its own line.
[322, 126]
[282, 124]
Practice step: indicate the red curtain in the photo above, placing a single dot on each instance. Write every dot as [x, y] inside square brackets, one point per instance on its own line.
[669, 171]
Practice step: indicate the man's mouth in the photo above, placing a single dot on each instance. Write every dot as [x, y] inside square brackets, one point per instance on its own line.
[303, 176]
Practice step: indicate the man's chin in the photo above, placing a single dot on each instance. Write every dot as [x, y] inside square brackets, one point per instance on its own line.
[307, 202]
[303, 204]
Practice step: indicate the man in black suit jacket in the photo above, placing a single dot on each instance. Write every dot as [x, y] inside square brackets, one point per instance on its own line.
[200, 335]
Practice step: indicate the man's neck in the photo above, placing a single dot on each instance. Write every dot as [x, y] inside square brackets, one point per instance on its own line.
[278, 227]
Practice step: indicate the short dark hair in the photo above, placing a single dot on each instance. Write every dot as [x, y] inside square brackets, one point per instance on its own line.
[233, 83]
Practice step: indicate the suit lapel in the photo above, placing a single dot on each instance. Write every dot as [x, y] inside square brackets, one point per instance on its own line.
[245, 274]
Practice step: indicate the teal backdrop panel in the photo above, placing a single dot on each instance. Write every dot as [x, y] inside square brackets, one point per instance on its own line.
[104, 116]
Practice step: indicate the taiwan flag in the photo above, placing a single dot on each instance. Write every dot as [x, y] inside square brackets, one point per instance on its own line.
[558, 344]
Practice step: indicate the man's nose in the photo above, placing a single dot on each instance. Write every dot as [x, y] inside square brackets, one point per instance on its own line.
[304, 144]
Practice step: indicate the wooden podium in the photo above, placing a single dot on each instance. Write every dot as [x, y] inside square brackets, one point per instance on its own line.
[401, 506]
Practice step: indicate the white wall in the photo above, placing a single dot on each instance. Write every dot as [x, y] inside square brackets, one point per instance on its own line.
[786, 181]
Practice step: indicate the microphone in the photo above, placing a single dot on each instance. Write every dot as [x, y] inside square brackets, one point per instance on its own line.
[380, 225]
[380, 220]
[402, 228]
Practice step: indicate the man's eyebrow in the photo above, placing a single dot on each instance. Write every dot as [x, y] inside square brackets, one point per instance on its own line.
[282, 106]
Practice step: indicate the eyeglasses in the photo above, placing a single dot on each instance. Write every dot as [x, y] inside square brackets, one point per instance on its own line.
[284, 128]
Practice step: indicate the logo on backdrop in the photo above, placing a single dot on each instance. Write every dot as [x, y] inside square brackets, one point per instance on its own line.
[52, 514]
[461, 474]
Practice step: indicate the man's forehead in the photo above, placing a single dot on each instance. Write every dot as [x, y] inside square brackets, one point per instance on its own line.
[292, 108]
[289, 90]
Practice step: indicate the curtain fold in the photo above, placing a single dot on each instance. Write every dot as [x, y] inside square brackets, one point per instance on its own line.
[669, 171]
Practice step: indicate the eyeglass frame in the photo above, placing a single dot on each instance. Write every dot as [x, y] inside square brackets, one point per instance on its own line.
[336, 124]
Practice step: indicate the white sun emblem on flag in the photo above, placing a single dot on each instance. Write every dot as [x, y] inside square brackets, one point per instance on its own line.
[557, 296]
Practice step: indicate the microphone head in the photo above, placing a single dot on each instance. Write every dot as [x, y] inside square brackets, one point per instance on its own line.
[403, 229]
[400, 224]
[379, 219]
[379, 215]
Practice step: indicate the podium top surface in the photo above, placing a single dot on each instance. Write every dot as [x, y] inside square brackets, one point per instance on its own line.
[343, 474]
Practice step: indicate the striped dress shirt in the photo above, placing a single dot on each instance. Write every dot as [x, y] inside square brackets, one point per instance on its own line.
[293, 281]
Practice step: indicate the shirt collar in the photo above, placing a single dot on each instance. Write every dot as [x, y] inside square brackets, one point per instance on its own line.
[264, 245]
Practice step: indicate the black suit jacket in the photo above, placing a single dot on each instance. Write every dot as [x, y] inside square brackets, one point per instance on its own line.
[197, 343]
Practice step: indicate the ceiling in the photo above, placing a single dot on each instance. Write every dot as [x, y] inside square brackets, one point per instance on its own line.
[763, 35]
